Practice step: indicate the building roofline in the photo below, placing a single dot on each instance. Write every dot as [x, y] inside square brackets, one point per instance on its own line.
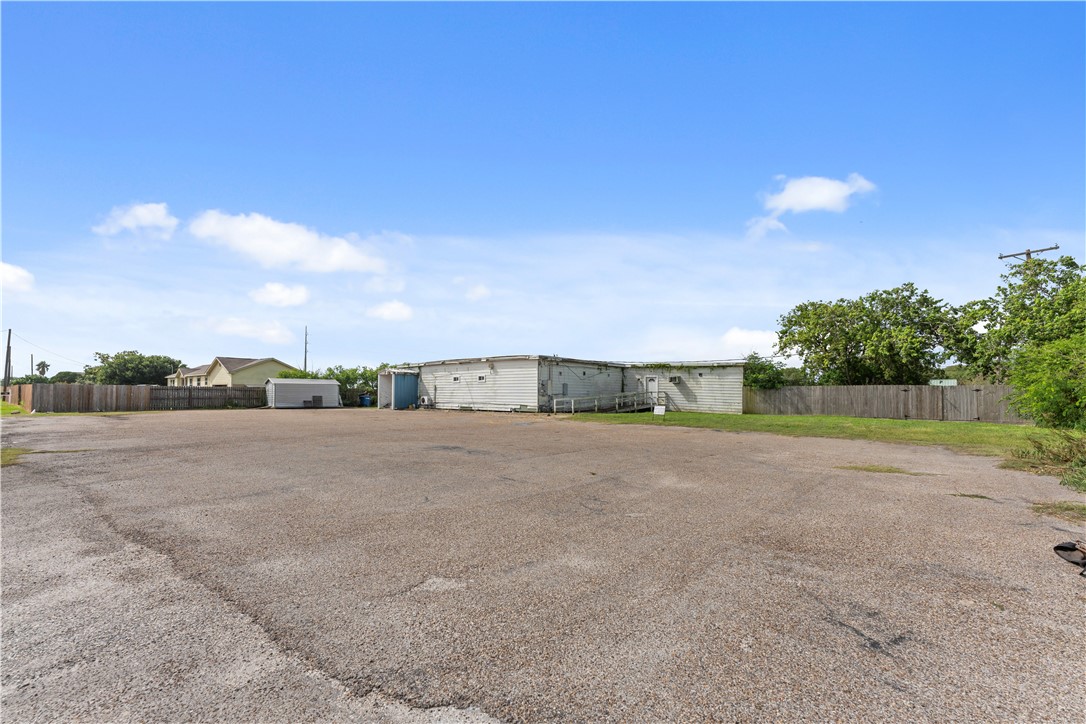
[556, 358]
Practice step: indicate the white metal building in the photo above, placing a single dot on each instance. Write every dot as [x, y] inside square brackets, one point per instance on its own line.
[533, 383]
[291, 393]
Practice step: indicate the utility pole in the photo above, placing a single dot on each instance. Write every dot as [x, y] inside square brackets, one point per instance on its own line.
[7, 362]
[1028, 253]
[305, 355]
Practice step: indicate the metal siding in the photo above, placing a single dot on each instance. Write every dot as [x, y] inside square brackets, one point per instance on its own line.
[581, 380]
[719, 389]
[405, 391]
[510, 385]
[284, 396]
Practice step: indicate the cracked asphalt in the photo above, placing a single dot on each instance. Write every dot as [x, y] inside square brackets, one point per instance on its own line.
[363, 565]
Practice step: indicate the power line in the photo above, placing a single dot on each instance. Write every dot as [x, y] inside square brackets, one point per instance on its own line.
[43, 349]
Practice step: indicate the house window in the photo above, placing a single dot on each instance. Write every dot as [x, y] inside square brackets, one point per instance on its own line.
[482, 378]
[456, 378]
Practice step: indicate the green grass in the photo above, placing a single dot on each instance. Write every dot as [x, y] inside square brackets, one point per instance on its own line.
[11, 455]
[1043, 451]
[879, 469]
[975, 438]
[1074, 512]
[6, 408]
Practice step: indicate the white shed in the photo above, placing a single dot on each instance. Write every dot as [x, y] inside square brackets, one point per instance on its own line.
[290, 393]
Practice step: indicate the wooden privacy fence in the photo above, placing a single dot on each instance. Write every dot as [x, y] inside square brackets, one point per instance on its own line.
[132, 398]
[983, 403]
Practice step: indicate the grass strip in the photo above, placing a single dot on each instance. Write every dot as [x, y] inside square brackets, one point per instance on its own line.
[7, 408]
[975, 438]
[1073, 512]
[1043, 451]
[11, 455]
[879, 469]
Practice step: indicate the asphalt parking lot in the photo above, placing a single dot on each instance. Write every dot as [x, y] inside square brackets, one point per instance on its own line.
[281, 565]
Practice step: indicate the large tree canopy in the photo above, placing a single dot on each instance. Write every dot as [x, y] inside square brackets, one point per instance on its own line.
[894, 336]
[1040, 301]
[130, 368]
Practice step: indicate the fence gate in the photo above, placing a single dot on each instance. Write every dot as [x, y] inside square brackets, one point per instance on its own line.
[960, 403]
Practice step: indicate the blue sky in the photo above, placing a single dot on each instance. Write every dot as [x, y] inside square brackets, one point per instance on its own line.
[605, 181]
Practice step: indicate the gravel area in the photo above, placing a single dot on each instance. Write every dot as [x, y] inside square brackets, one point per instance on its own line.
[363, 565]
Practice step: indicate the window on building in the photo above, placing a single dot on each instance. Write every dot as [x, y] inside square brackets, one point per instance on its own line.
[482, 378]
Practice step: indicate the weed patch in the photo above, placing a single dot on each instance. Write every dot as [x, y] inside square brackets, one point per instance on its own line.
[11, 455]
[1074, 512]
[879, 469]
[1061, 453]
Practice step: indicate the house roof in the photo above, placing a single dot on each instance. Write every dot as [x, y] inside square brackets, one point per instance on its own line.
[230, 364]
[193, 371]
[233, 364]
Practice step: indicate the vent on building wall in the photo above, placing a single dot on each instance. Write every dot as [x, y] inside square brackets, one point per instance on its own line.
[675, 379]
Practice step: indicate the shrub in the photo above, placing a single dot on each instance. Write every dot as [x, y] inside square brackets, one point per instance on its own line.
[1050, 382]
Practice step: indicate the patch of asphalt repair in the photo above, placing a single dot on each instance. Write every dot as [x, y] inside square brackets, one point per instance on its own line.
[341, 565]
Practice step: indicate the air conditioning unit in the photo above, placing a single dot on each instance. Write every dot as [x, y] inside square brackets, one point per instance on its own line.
[425, 401]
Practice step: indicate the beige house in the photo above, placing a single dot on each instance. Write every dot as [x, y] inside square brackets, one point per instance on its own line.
[229, 372]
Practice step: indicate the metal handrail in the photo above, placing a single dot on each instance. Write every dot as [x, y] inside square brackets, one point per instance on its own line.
[620, 401]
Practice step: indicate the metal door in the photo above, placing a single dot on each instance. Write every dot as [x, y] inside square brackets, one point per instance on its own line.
[652, 386]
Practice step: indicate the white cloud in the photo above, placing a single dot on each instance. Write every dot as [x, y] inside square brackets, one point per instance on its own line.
[809, 193]
[278, 244]
[394, 311]
[15, 278]
[270, 332]
[762, 225]
[150, 220]
[478, 292]
[280, 295]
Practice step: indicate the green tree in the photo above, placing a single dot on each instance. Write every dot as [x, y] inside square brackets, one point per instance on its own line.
[353, 381]
[29, 380]
[894, 336]
[369, 378]
[1049, 381]
[762, 373]
[42, 367]
[1040, 301]
[66, 377]
[130, 368]
[300, 375]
